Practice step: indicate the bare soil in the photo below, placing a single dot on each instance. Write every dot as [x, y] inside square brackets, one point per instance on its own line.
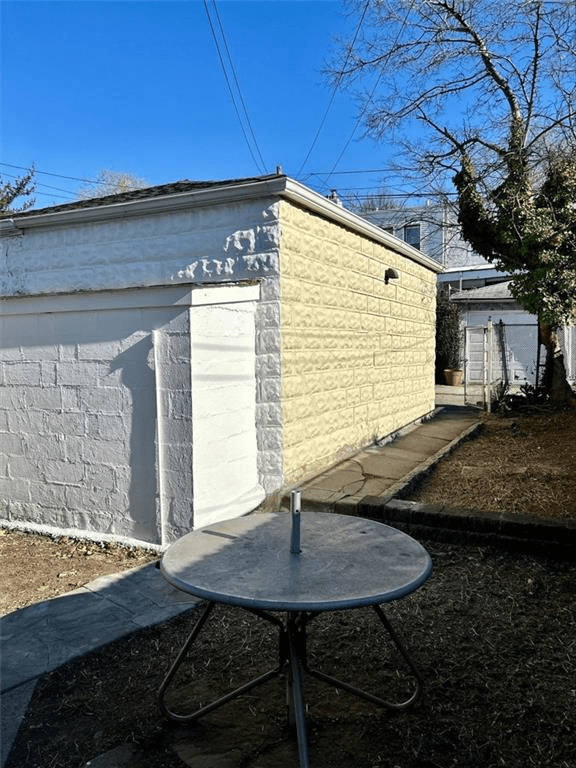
[38, 567]
[493, 633]
[523, 464]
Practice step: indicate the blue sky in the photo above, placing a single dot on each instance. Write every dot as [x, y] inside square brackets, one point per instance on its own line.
[138, 86]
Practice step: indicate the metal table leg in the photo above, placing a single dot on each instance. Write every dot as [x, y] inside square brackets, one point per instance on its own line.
[418, 682]
[191, 716]
[292, 654]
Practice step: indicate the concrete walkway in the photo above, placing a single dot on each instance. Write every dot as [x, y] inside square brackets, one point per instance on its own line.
[43, 636]
[385, 471]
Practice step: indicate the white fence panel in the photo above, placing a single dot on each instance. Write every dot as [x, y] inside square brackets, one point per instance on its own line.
[499, 355]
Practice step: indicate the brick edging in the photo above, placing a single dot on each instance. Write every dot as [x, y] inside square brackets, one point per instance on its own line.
[452, 524]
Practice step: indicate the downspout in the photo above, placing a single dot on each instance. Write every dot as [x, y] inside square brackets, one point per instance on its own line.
[156, 336]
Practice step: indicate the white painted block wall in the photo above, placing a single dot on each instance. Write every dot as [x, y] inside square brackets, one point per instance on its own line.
[225, 468]
[105, 345]
[96, 413]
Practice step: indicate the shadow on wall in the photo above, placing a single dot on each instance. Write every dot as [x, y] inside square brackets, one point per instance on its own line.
[137, 375]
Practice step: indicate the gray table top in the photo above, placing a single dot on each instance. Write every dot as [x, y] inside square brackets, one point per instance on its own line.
[345, 562]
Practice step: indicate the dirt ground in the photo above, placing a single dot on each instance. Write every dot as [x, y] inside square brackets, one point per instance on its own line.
[38, 567]
[493, 633]
[521, 465]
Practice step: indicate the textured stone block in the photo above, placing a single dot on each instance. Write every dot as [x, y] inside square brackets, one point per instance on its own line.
[26, 374]
[14, 489]
[64, 472]
[85, 374]
[110, 400]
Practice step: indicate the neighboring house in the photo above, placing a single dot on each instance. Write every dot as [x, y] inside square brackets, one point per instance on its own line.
[501, 339]
[432, 229]
[483, 292]
[174, 355]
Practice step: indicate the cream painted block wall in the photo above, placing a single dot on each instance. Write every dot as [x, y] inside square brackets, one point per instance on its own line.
[357, 355]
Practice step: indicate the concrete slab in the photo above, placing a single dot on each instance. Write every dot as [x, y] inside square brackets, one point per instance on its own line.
[14, 704]
[389, 465]
[337, 480]
[423, 445]
[384, 470]
[447, 430]
[121, 757]
[43, 636]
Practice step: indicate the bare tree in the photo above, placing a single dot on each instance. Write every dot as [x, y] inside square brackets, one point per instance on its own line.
[492, 84]
[111, 183]
[365, 203]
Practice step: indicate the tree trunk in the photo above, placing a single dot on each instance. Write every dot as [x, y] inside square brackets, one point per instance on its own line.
[554, 380]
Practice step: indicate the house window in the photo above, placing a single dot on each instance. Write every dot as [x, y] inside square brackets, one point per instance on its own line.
[412, 235]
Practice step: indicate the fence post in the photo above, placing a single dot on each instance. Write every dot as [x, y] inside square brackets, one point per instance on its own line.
[490, 343]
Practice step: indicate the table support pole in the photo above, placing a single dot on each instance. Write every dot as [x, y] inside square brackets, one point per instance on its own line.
[297, 711]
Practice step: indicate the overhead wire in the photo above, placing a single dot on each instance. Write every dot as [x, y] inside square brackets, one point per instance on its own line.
[366, 190]
[368, 101]
[233, 68]
[40, 184]
[47, 173]
[334, 90]
[258, 162]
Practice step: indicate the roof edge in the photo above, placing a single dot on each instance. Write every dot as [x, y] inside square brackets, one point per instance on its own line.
[305, 196]
[220, 193]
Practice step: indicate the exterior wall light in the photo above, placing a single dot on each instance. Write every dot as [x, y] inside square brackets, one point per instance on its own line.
[390, 274]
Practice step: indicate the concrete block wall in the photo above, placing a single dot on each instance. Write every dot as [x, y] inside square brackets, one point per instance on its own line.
[269, 415]
[96, 259]
[100, 332]
[78, 407]
[205, 244]
[357, 354]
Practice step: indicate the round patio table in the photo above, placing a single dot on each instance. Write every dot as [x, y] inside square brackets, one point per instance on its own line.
[335, 562]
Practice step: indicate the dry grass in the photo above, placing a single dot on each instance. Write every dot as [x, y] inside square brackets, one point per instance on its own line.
[522, 465]
[493, 633]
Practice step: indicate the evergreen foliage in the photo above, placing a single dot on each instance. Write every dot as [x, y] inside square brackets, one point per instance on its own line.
[10, 191]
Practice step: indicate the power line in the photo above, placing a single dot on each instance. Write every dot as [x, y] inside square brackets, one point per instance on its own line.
[401, 195]
[40, 184]
[238, 87]
[368, 101]
[340, 173]
[335, 89]
[260, 165]
[359, 192]
[47, 173]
